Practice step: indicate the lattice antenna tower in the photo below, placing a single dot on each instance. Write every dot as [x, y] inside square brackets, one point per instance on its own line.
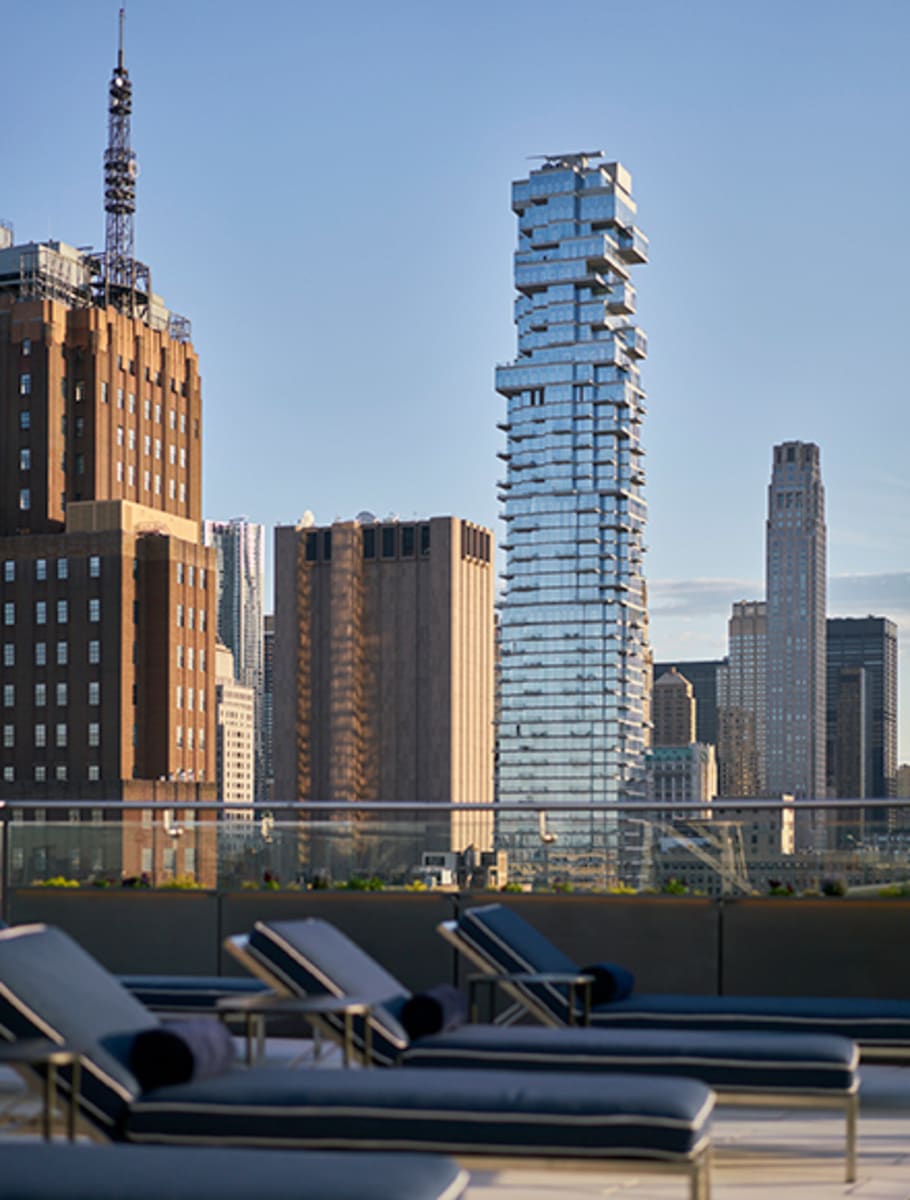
[120, 170]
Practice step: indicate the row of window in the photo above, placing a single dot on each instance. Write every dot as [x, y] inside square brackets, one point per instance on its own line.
[61, 695]
[61, 569]
[187, 574]
[61, 774]
[62, 654]
[190, 698]
[189, 615]
[79, 391]
[175, 454]
[62, 609]
[187, 658]
[130, 475]
[191, 737]
[61, 735]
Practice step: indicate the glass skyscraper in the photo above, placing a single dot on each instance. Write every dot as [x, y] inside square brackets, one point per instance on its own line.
[573, 714]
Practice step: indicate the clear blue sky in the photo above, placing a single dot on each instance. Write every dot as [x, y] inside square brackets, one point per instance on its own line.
[324, 190]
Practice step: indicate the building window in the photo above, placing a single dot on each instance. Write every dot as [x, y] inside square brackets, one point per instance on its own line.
[190, 698]
[180, 656]
[201, 738]
[158, 415]
[63, 568]
[131, 439]
[40, 612]
[94, 566]
[94, 773]
[180, 735]
[62, 695]
[147, 412]
[180, 572]
[25, 419]
[202, 577]
[63, 611]
[201, 660]
[191, 575]
[40, 569]
[179, 616]
[131, 402]
[25, 384]
[182, 456]
[94, 653]
[146, 860]
[119, 435]
[183, 493]
[25, 459]
[9, 695]
[26, 347]
[9, 613]
[202, 620]
[104, 392]
[407, 541]
[147, 444]
[146, 481]
[191, 617]
[9, 736]
[190, 658]
[94, 609]
[40, 654]
[172, 455]
[9, 570]
[63, 653]
[131, 475]
[60, 735]
[388, 541]
[94, 733]
[424, 539]
[25, 499]
[40, 695]
[80, 464]
[40, 736]
[40, 774]
[60, 774]
[171, 489]
[9, 775]
[79, 391]
[9, 654]
[120, 397]
[94, 693]
[180, 695]
[189, 737]
[120, 472]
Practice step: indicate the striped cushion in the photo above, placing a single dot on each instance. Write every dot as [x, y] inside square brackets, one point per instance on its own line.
[187, 993]
[50, 987]
[35, 1172]
[480, 1112]
[762, 1062]
[510, 945]
[313, 958]
[872, 1022]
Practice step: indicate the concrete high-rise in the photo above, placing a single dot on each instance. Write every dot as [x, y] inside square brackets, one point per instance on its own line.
[795, 582]
[862, 712]
[234, 733]
[673, 710]
[573, 723]
[108, 595]
[703, 675]
[383, 668]
[741, 703]
[240, 546]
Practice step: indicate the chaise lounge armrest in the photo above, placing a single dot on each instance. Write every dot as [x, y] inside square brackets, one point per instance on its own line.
[573, 980]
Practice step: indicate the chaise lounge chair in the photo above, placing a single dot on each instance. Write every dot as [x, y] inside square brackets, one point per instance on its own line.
[311, 957]
[501, 943]
[32, 1171]
[50, 988]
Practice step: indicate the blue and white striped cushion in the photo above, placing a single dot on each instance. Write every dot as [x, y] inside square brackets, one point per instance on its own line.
[50, 988]
[312, 958]
[471, 1112]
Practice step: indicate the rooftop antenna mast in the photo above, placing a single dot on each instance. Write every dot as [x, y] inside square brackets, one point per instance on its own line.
[120, 170]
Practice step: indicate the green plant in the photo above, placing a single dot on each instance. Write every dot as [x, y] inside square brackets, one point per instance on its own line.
[358, 883]
[512, 888]
[895, 889]
[836, 887]
[249, 885]
[416, 885]
[562, 886]
[57, 881]
[675, 887]
[181, 883]
[622, 889]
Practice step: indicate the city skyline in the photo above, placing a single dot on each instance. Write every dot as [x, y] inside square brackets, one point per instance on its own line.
[744, 272]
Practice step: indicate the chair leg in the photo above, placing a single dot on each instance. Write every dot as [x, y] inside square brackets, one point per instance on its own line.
[852, 1116]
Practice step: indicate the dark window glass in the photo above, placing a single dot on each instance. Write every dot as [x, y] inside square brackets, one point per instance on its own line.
[407, 541]
[424, 539]
[311, 547]
[369, 543]
[327, 545]
[388, 541]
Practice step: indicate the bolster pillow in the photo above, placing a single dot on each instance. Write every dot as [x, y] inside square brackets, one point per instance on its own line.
[178, 1051]
[439, 1009]
[611, 982]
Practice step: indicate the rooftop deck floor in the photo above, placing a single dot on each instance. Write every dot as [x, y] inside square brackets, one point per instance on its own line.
[759, 1154]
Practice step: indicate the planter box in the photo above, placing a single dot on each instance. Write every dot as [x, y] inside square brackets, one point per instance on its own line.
[130, 932]
[807, 947]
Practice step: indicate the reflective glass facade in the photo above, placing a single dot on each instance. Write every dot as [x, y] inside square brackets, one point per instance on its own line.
[573, 622]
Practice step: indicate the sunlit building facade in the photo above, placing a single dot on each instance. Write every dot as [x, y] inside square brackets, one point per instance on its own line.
[795, 592]
[572, 727]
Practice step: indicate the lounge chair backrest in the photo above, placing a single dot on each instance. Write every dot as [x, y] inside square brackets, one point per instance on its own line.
[507, 944]
[311, 957]
[50, 988]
